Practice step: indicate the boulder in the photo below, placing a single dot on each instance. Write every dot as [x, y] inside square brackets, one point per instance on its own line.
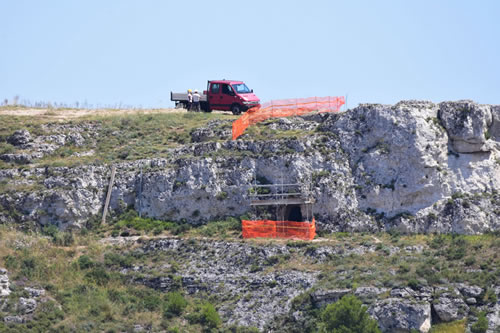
[19, 138]
[494, 130]
[369, 294]
[34, 292]
[469, 291]
[467, 124]
[26, 305]
[14, 319]
[4, 283]
[494, 319]
[397, 315]
[20, 158]
[321, 298]
[450, 309]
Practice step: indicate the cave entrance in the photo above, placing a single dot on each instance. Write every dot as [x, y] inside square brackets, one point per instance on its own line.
[293, 213]
[293, 203]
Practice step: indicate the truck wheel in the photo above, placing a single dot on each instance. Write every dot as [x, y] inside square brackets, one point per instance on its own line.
[206, 108]
[180, 106]
[236, 109]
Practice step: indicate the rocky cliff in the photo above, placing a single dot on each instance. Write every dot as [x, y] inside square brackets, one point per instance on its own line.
[414, 167]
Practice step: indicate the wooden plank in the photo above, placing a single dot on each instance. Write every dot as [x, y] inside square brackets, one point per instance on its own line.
[275, 195]
[108, 196]
[291, 201]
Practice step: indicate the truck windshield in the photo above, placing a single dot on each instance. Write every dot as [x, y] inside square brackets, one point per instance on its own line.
[241, 88]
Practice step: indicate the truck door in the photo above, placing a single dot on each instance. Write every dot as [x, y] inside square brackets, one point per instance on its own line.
[214, 96]
[228, 97]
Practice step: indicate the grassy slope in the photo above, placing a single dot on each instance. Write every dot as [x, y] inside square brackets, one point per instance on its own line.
[120, 137]
[100, 297]
[101, 301]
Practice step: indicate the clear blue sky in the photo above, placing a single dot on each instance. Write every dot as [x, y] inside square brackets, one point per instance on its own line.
[136, 52]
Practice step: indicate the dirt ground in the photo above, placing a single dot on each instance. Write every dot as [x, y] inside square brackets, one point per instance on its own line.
[77, 113]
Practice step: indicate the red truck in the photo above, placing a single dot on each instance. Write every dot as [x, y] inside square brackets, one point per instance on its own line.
[224, 95]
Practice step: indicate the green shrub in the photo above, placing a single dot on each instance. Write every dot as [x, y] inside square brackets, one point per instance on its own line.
[11, 262]
[173, 330]
[114, 259]
[489, 296]
[131, 219]
[98, 275]
[151, 302]
[413, 284]
[347, 316]
[175, 305]
[221, 195]
[209, 316]
[50, 230]
[58, 238]
[481, 325]
[28, 267]
[404, 268]
[470, 261]
[84, 262]
[206, 315]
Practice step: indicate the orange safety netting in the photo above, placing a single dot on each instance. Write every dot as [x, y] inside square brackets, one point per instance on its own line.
[278, 229]
[285, 108]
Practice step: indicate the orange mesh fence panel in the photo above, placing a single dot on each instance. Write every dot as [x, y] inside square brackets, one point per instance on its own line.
[286, 108]
[259, 228]
[278, 229]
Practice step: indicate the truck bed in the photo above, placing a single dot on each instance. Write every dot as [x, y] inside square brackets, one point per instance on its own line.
[183, 97]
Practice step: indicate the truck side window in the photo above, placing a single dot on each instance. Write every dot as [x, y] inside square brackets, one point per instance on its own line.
[215, 88]
[226, 89]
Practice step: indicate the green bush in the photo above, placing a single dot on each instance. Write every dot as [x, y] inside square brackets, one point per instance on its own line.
[413, 284]
[206, 315]
[131, 219]
[175, 305]
[209, 316]
[114, 259]
[98, 275]
[151, 302]
[84, 262]
[481, 325]
[489, 296]
[28, 267]
[221, 196]
[58, 238]
[347, 316]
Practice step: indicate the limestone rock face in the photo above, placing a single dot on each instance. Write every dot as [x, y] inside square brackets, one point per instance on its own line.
[321, 298]
[415, 167]
[4, 283]
[26, 305]
[397, 315]
[235, 269]
[450, 309]
[467, 125]
[19, 138]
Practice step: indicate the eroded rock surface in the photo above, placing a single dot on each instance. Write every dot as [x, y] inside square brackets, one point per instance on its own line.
[415, 166]
[401, 315]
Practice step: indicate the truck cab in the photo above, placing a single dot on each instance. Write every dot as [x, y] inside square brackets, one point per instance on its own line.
[229, 95]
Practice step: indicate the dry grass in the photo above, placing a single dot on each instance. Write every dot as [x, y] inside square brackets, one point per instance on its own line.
[454, 327]
[60, 114]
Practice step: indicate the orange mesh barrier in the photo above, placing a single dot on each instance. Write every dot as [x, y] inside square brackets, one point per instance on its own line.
[285, 108]
[278, 229]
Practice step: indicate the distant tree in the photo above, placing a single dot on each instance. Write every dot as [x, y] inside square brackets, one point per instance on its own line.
[481, 325]
[347, 316]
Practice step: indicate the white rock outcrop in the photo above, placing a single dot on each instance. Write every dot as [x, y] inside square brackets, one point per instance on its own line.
[415, 166]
